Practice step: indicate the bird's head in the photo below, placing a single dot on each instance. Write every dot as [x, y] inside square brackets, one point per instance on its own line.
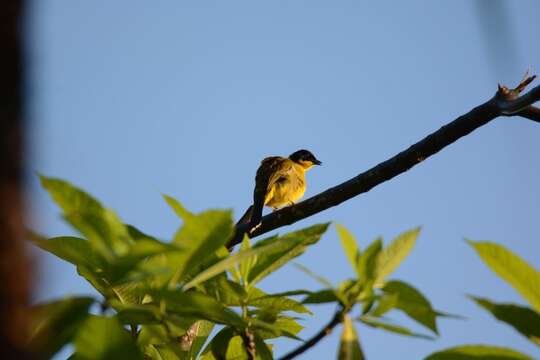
[305, 158]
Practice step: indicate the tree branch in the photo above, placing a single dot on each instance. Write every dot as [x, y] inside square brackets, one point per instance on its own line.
[506, 102]
[326, 330]
[531, 113]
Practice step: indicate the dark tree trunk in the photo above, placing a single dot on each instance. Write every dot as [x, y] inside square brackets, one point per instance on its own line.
[14, 264]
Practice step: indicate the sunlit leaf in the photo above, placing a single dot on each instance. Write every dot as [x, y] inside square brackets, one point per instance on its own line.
[71, 249]
[204, 328]
[69, 198]
[275, 328]
[391, 256]
[478, 352]
[291, 245]
[393, 328]
[349, 345]
[125, 268]
[413, 303]
[162, 352]
[257, 298]
[198, 305]
[102, 338]
[229, 262]
[129, 293]
[523, 319]
[55, 324]
[225, 291]
[514, 270]
[321, 297]
[99, 225]
[200, 237]
[245, 266]
[218, 346]
[283, 324]
[262, 349]
[137, 313]
[367, 265]
[319, 278]
[385, 303]
[350, 247]
[178, 208]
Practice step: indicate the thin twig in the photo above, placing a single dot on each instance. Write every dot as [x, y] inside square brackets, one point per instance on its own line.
[506, 102]
[326, 330]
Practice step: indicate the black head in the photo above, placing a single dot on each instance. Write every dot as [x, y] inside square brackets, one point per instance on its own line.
[305, 158]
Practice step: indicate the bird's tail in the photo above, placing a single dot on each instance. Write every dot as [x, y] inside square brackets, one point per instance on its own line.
[246, 218]
[243, 221]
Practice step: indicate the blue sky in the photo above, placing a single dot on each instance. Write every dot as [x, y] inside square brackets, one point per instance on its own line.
[130, 99]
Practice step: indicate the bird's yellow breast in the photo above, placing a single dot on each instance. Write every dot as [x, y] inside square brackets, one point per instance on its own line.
[288, 189]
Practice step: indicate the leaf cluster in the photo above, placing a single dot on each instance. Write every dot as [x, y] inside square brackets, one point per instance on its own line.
[164, 299]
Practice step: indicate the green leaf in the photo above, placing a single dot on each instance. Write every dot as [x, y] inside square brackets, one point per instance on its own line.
[178, 208]
[225, 291]
[69, 198]
[198, 305]
[279, 327]
[385, 303]
[102, 227]
[229, 262]
[126, 267]
[129, 293]
[219, 344]
[394, 254]
[367, 266]
[246, 265]
[55, 324]
[348, 243]
[349, 346]
[291, 245]
[200, 237]
[236, 350]
[71, 249]
[102, 338]
[514, 270]
[96, 280]
[319, 278]
[413, 303]
[203, 332]
[274, 328]
[275, 304]
[397, 329]
[137, 313]
[263, 350]
[478, 352]
[523, 319]
[161, 352]
[321, 297]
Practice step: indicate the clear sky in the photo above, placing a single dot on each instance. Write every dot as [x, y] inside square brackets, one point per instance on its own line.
[130, 99]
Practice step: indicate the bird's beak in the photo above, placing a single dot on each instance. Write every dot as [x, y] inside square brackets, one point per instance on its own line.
[317, 162]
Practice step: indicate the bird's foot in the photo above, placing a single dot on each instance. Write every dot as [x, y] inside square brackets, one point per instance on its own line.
[254, 227]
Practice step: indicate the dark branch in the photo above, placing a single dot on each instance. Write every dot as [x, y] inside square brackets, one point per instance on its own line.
[531, 113]
[335, 321]
[506, 102]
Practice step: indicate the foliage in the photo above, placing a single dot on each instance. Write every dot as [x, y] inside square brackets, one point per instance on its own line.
[526, 281]
[190, 298]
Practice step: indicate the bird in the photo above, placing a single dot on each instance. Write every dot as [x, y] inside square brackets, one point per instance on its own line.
[280, 181]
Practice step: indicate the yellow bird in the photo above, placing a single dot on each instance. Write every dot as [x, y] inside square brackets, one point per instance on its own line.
[279, 182]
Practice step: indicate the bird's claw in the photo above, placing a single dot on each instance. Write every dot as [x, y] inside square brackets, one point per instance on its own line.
[253, 228]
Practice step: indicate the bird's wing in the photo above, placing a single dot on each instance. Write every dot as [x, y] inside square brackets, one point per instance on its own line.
[271, 170]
